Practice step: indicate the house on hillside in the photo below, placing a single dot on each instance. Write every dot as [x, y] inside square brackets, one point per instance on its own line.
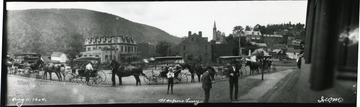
[59, 56]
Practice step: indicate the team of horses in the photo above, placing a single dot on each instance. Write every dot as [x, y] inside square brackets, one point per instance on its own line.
[137, 71]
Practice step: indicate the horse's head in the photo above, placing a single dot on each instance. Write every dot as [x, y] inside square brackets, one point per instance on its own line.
[114, 64]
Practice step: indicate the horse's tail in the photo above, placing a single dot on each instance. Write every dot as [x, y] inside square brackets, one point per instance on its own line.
[141, 72]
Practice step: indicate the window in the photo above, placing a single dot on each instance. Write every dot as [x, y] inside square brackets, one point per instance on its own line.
[106, 57]
[89, 49]
[94, 48]
[205, 47]
[99, 47]
[85, 55]
[96, 55]
[122, 50]
[184, 47]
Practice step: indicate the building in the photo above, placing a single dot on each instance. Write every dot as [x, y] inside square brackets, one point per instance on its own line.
[59, 56]
[218, 36]
[146, 49]
[195, 48]
[120, 48]
[253, 36]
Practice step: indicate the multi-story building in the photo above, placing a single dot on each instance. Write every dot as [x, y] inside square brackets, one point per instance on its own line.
[218, 36]
[195, 48]
[253, 36]
[120, 48]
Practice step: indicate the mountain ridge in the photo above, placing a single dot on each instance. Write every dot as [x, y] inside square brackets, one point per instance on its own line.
[50, 30]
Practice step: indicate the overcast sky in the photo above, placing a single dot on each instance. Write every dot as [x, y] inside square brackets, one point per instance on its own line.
[177, 18]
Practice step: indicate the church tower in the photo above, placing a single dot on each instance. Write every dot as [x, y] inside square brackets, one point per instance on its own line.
[214, 32]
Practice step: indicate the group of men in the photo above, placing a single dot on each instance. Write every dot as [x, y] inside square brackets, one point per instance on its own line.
[233, 74]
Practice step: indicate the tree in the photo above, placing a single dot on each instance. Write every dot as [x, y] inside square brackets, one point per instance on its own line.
[247, 28]
[238, 30]
[74, 46]
[163, 48]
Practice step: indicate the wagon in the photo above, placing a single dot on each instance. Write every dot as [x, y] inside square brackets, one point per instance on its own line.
[22, 62]
[158, 64]
[77, 73]
[224, 60]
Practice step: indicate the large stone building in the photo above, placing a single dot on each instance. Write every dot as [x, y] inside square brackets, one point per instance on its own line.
[195, 48]
[253, 36]
[120, 48]
[218, 36]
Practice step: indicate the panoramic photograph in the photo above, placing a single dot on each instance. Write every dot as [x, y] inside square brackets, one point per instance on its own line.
[195, 52]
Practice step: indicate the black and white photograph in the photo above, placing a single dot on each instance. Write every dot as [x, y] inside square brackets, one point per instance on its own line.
[187, 52]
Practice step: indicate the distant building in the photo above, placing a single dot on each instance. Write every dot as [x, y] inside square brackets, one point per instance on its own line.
[253, 36]
[59, 56]
[120, 48]
[195, 48]
[147, 49]
[218, 36]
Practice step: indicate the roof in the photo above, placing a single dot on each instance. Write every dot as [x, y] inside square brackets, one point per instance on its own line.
[47, 60]
[56, 54]
[86, 58]
[232, 57]
[169, 58]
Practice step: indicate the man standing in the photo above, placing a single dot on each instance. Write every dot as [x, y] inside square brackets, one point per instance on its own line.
[206, 84]
[170, 75]
[233, 80]
[88, 70]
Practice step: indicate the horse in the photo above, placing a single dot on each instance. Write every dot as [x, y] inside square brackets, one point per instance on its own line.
[56, 68]
[190, 68]
[199, 70]
[253, 66]
[10, 66]
[125, 71]
[37, 66]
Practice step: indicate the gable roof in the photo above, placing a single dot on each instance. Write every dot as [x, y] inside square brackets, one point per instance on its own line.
[56, 54]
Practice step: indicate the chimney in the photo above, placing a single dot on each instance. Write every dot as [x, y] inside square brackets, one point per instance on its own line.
[200, 33]
[189, 33]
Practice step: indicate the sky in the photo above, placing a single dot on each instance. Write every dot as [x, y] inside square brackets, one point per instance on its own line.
[177, 18]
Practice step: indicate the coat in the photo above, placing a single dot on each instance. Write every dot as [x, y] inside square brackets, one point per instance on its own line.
[206, 80]
[234, 73]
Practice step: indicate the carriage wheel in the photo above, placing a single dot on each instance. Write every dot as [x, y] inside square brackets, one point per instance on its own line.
[100, 77]
[183, 78]
[70, 76]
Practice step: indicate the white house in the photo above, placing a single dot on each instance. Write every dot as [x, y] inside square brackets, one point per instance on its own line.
[59, 56]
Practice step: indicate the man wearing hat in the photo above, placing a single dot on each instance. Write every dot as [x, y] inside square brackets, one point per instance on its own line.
[233, 80]
[170, 75]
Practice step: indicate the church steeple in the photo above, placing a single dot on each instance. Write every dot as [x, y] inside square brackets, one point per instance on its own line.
[214, 26]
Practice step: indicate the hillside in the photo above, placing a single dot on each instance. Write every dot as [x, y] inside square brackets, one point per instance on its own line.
[48, 30]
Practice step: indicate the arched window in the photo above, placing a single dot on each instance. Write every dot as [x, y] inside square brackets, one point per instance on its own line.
[89, 49]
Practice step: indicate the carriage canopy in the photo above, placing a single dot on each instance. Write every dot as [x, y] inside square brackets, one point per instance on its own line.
[81, 62]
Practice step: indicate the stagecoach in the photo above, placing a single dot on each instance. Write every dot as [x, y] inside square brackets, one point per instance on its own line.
[77, 73]
[158, 65]
[224, 64]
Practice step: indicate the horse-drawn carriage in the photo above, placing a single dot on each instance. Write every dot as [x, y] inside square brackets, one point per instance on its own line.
[225, 61]
[24, 63]
[159, 67]
[78, 72]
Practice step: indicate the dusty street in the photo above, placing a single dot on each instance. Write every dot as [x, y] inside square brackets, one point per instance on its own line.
[45, 92]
